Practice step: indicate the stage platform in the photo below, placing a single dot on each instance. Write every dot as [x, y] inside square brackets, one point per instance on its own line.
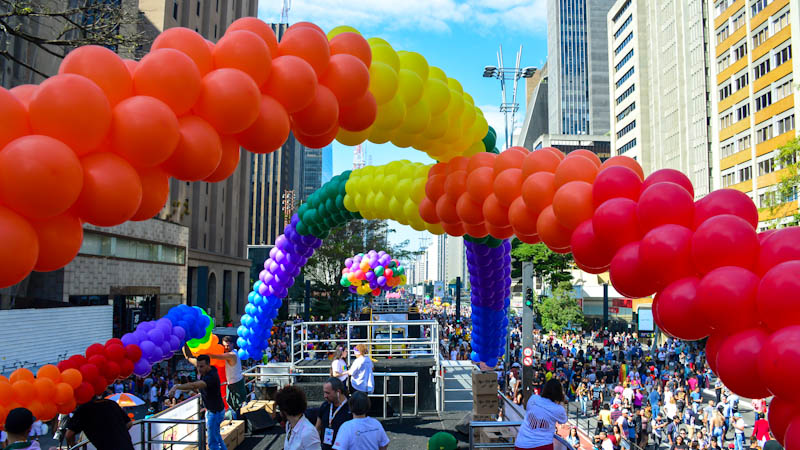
[381, 365]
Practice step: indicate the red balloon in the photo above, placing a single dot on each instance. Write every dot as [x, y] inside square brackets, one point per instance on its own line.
[624, 161]
[24, 93]
[102, 66]
[522, 218]
[293, 83]
[446, 210]
[480, 183]
[713, 344]
[666, 254]
[98, 360]
[780, 363]
[229, 100]
[499, 232]
[78, 360]
[130, 64]
[111, 371]
[347, 77]
[780, 413]
[352, 44]
[572, 203]
[576, 168]
[115, 351]
[480, 160]
[453, 229]
[308, 44]
[190, 43]
[678, 312]
[14, 117]
[133, 352]
[727, 298]
[672, 176]
[614, 182]
[725, 201]
[510, 158]
[427, 211]
[60, 239]
[229, 161]
[434, 187]
[359, 114]
[19, 247]
[40, 177]
[125, 368]
[724, 240]
[663, 203]
[738, 360]
[508, 186]
[778, 246]
[84, 393]
[319, 116]
[477, 231]
[269, 131]
[170, 76]
[155, 190]
[552, 233]
[457, 164]
[99, 384]
[539, 161]
[776, 300]
[628, 275]
[762, 236]
[259, 27]
[495, 213]
[246, 51]
[66, 364]
[538, 190]
[317, 141]
[112, 190]
[89, 371]
[456, 183]
[588, 250]
[198, 153]
[144, 131]
[615, 222]
[95, 349]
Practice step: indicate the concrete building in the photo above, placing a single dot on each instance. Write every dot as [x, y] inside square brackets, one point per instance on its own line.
[658, 65]
[327, 163]
[754, 101]
[600, 145]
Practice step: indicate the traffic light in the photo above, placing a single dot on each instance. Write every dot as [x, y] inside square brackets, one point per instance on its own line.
[529, 298]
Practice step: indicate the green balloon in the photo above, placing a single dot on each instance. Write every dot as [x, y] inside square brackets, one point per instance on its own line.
[378, 270]
[302, 228]
[311, 217]
[401, 270]
[302, 210]
[345, 282]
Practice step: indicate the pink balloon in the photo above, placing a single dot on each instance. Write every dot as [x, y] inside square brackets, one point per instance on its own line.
[780, 363]
[615, 182]
[727, 298]
[615, 222]
[780, 413]
[713, 344]
[663, 203]
[677, 310]
[738, 360]
[672, 176]
[777, 296]
[725, 201]
[628, 275]
[792, 436]
[666, 254]
[778, 246]
[725, 240]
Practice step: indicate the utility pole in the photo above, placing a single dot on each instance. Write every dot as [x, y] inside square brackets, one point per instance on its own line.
[527, 328]
[511, 74]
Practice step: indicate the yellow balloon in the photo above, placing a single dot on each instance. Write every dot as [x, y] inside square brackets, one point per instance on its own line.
[403, 140]
[482, 126]
[369, 202]
[418, 225]
[410, 86]
[383, 81]
[341, 29]
[379, 135]
[360, 201]
[475, 148]
[437, 126]
[453, 132]
[454, 84]
[351, 186]
[437, 94]
[422, 171]
[411, 210]
[389, 183]
[434, 228]
[350, 203]
[415, 62]
[417, 118]
[437, 73]
[467, 117]
[380, 201]
[418, 190]
[402, 187]
[393, 167]
[352, 138]
[385, 54]
[395, 209]
[456, 105]
[377, 41]
[468, 99]
[390, 114]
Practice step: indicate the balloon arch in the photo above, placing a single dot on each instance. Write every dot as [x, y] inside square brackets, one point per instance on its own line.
[98, 142]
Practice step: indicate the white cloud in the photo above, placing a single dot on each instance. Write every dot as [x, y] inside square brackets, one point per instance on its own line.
[496, 120]
[426, 15]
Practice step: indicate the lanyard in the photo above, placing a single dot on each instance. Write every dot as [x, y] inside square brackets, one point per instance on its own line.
[332, 413]
[291, 431]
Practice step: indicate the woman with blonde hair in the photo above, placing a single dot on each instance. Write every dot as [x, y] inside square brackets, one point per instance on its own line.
[361, 377]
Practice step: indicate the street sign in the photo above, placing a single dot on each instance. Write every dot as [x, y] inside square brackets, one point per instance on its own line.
[527, 361]
[527, 351]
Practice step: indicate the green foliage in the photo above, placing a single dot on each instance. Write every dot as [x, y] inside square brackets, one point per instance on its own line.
[787, 185]
[559, 309]
[552, 268]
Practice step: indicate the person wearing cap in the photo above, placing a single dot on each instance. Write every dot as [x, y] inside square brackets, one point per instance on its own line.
[103, 422]
[18, 425]
[738, 431]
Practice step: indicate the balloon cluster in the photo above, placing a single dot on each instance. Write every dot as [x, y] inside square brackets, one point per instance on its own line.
[46, 394]
[372, 273]
[160, 339]
[256, 325]
[490, 278]
[418, 106]
[325, 208]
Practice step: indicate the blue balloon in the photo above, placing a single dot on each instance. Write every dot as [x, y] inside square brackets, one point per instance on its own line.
[250, 308]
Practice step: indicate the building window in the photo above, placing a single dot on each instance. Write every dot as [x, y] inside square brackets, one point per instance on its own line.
[766, 199]
[728, 179]
[764, 100]
[740, 51]
[626, 129]
[623, 44]
[725, 92]
[727, 149]
[766, 166]
[721, 6]
[738, 21]
[625, 77]
[764, 134]
[726, 121]
[743, 81]
[723, 33]
[760, 36]
[175, 9]
[780, 22]
[96, 244]
[758, 6]
[627, 146]
[761, 69]
[623, 61]
[198, 7]
[625, 94]
[784, 89]
[626, 111]
[745, 173]
[215, 31]
[743, 112]
[786, 124]
[621, 11]
[217, 7]
[623, 26]
[723, 62]
[743, 143]
[783, 55]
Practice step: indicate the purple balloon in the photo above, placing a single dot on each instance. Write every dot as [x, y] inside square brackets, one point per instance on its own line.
[348, 262]
[353, 290]
[129, 339]
[294, 222]
[273, 251]
[165, 325]
[267, 279]
[381, 280]
[142, 367]
[156, 336]
[373, 284]
[157, 355]
[280, 257]
[179, 333]
[147, 348]
[316, 243]
[263, 289]
[370, 275]
[283, 243]
[145, 326]
[273, 266]
[307, 239]
[292, 235]
[166, 347]
[306, 251]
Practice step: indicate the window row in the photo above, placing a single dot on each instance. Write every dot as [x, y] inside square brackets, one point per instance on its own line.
[625, 77]
[768, 131]
[623, 26]
[734, 146]
[779, 22]
[738, 174]
[772, 198]
[624, 113]
[626, 94]
[623, 44]
[757, 6]
[740, 51]
[627, 147]
[626, 129]
[723, 33]
[623, 61]
[621, 11]
[121, 247]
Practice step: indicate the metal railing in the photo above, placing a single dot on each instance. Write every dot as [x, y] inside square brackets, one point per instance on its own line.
[425, 346]
[385, 305]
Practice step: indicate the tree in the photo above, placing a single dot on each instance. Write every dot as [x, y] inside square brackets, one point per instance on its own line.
[776, 201]
[560, 309]
[552, 268]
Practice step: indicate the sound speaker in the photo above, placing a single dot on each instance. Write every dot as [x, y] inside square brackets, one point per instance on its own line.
[361, 331]
[258, 420]
[413, 330]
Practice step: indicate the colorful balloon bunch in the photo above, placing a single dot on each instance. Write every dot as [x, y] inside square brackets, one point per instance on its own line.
[490, 278]
[160, 339]
[372, 273]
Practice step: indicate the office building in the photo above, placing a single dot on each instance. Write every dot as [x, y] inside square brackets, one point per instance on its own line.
[659, 85]
[754, 100]
[327, 163]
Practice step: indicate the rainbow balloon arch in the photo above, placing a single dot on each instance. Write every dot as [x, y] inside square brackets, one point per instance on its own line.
[98, 142]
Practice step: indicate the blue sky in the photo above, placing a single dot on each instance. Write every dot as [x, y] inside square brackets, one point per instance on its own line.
[459, 36]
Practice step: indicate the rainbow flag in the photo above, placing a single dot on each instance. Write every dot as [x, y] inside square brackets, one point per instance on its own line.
[623, 373]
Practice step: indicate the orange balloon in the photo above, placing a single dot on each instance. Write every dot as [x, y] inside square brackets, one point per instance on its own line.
[310, 25]
[19, 247]
[438, 169]
[269, 131]
[68, 407]
[480, 160]
[21, 374]
[155, 190]
[45, 389]
[130, 64]
[170, 76]
[480, 183]
[572, 204]
[452, 229]
[47, 411]
[510, 158]
[188, 42]
[63, 393]
[319, 116]
[199, 150]
[575, 168]
[72, 109]
[427, 211]
[529, 239]
[229, 161]
[112, 190]
[102, 66]
[258, 27]
[40, 177]
[496, 213]
[508, 186]
[434, 188]
[459, 163]
[24, 392]
[60, 239]
[347, 77]
[469, 211]
[6, 392]
[317, 141]
[72, 377]
[521, 218]
[352, 44]
[13, 116]
[538, 191]
[500, 232]
[144, 131]
[555, 151]
[592, 156]
[49, 371]
[456, 183]
[24, 93]
[540, 161]
[359, 114]
[229, 100]
[446, 209]
[625, 161]
[309, 44]
[293, 83]
[477, 231]
[246, 51]
[551, 232]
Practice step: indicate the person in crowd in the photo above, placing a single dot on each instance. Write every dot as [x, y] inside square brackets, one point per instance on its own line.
[333, 412]
[237, 394]
[103, 422]
[761, 429]
[573, 438]
[738, 431]
[339, 365]
[19, 422]
[209, 387]
[362, 432]
[680, 444]
[300, 433]
[542, 413]
[361, 377]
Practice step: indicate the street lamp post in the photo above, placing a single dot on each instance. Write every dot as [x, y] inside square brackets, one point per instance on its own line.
[511, 74]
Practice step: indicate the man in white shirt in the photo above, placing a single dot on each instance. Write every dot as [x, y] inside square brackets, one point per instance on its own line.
[362, 432]
[154, 397]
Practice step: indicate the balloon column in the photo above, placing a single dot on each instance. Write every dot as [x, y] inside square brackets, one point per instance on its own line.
[372, 273]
